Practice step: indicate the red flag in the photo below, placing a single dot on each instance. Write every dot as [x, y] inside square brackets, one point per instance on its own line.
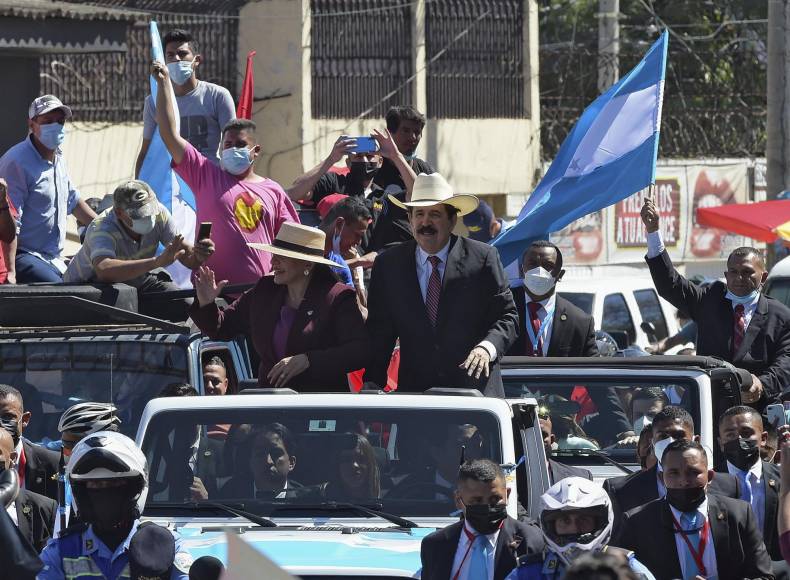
[244, 110]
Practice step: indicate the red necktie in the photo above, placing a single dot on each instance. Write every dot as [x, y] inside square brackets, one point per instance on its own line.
[434, 290]
[534, 308]
[739, 329]
[20, 467]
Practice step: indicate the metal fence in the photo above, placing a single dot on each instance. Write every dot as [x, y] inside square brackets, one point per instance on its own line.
[359, 58]
[111, 87]
[479, 72]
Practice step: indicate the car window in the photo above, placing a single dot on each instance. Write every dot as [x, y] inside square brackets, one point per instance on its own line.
[617, 317]
[404, 461]
[779, 288]
[650, 309]
[581, 300]
[53, 376]
[226, 357]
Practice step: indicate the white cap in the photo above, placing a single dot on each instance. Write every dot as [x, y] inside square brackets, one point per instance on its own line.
[46, 104]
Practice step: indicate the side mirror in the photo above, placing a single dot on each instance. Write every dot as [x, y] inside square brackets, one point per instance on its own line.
[650, 330]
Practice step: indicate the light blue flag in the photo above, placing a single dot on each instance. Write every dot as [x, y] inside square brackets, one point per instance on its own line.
[170, 189]
[609, 154]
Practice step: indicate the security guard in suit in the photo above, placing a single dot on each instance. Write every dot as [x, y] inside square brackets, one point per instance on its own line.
[109, 480]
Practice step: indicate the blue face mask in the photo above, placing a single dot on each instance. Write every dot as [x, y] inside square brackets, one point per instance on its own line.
[748, 299]
[336, 242]
[180, 72]
[236, 160]
[52, 135]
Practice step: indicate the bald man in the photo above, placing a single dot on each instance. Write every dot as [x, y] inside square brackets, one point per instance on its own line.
[32, 513]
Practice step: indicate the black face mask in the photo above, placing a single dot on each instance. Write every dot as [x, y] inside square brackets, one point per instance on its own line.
[686, 499]
[13, 429]
[111, 510]
[742, 453]
[485, 519]
[363, 170]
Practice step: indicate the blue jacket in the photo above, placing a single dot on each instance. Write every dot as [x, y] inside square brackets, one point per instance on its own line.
[553, 568]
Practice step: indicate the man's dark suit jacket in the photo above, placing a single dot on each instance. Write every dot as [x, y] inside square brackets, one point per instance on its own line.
[35, 516]
[559, 471]
[572, 330]
[475, 305]
[41, 468]
[328, 328]
[438, 549]
[765, 350]
[740, 552]
[631, 491]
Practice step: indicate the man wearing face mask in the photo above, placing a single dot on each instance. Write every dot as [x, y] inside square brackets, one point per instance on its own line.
[484, 545]
[630, 491]
[121, 244]
[690, 533]
[204, 108]
[741, 436]
[243, 207]
[736, 322]
[109, 478]
[345, 225]
[40, 189]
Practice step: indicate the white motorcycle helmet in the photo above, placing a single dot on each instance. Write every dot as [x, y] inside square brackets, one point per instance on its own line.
[575, 494]
[108, 455]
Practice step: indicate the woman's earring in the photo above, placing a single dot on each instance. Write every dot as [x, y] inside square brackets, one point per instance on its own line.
[307, 272]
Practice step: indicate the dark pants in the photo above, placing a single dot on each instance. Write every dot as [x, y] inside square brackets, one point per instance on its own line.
[30, 268]
[153, 302]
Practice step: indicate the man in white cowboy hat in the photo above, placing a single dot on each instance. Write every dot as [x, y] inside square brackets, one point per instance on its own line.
[446, 298]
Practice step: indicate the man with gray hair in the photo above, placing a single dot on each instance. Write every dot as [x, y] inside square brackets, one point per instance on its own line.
[121, 243]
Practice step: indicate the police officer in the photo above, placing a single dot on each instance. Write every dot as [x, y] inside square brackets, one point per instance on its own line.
[109, 480]
[576, 518]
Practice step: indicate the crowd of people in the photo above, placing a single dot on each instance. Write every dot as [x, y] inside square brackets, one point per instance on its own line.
[382, 273]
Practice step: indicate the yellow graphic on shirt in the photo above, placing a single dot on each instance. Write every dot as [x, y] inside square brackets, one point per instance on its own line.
[248, 211]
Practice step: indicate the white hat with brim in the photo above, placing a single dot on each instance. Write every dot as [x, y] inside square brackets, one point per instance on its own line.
[433, 189]
[299, 242]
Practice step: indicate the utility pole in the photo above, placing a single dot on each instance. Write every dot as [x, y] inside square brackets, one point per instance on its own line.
[608, 43]
[778, 126]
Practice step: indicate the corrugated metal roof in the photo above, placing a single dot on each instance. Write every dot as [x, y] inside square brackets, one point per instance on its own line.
[43, 9]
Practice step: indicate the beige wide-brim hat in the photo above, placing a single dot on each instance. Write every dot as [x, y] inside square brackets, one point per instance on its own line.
[431, 189]
[298, 242]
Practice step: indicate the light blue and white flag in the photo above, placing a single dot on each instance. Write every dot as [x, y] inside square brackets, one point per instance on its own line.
[609, 154]
[171, 190]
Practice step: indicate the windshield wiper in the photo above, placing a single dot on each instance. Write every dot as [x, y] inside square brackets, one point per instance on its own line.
[215, 505]
[342, 506]
[595, 452]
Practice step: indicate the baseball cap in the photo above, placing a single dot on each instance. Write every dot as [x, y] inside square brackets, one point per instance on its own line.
[328, 203]
[136, 198]
[479, 221]
[152, 551]
[45, 104]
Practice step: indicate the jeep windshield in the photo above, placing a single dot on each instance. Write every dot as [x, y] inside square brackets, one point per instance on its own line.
[629, 403]
[298, 462]
[54, 374]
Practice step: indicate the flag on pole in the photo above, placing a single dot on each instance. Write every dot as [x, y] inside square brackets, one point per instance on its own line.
[609, 154]
[170, 189]
[244, 110]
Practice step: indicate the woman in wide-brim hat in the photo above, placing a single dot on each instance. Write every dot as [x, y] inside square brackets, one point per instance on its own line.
[305, 325]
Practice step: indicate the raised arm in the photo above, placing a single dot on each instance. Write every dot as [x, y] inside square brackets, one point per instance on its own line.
[390, 151]
[165, 115]
[302, 188]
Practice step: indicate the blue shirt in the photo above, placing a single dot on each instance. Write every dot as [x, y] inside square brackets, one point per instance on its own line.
[342, 268]
[95, 560]
[43, 196]
[553, 568]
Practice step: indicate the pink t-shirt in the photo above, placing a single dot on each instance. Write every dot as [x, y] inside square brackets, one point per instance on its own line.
[240, 211]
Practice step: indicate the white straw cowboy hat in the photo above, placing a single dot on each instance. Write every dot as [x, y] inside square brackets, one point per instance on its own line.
[431, 189]
[299, 242]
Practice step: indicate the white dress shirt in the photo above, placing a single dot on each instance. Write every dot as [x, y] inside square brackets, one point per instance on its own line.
[279, 495]
[12, 513]
[655, 245]
[463, 547]
[547, 306]
[755, 476]
[709, 556]
[18, 450]
[424, 271]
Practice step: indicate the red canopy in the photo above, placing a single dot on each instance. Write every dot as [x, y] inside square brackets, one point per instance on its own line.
[754, 220]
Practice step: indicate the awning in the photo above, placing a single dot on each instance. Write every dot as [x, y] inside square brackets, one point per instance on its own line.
[764, 221]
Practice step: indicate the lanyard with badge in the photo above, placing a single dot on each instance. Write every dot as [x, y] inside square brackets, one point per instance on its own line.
[471, 537]
[704, 534]
[544, 326]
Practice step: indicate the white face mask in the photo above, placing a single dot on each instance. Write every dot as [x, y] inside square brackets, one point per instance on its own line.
[539, 281]
[748, 299]
[236, 160]
[660, 446]
[144, 225]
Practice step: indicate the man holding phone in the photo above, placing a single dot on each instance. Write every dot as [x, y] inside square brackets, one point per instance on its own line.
[121, 243]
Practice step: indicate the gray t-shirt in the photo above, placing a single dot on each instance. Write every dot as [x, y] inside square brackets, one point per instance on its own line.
[105, 238]
[204, 112]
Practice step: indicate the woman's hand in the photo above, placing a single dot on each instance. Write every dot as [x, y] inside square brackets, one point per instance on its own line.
[287, 369]
[206, 287]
